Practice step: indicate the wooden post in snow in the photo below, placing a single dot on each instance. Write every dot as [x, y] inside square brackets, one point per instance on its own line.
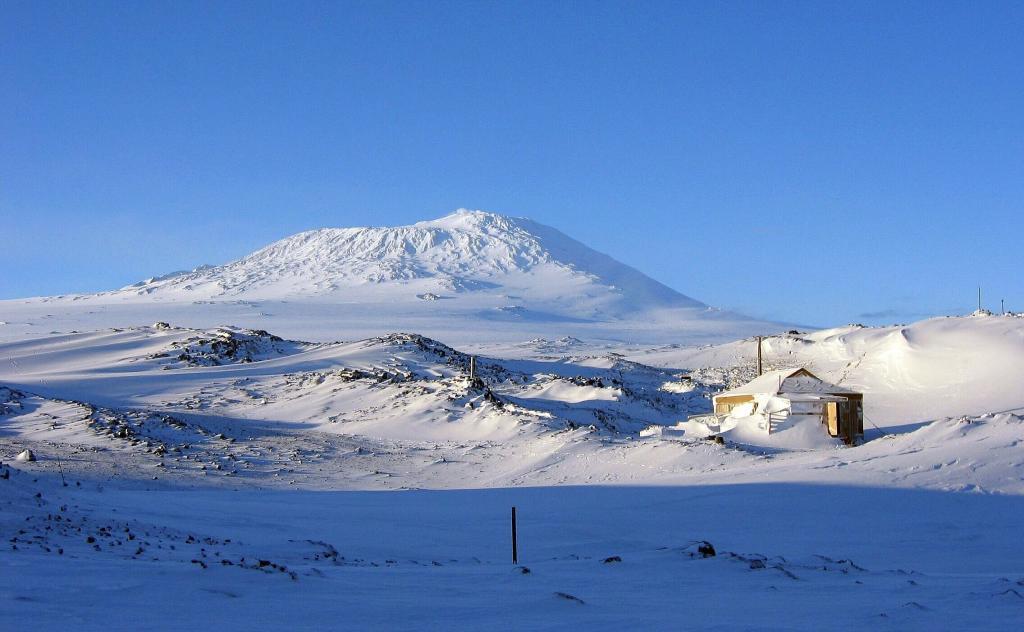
[472, 368]
[759, 339]
[515, 544]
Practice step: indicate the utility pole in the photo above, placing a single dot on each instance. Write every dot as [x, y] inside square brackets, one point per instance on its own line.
[759, 368]
[515, 542]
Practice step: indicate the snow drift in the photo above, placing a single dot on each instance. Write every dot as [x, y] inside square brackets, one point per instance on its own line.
[909, 374]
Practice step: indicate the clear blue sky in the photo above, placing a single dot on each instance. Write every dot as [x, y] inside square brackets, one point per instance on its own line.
[815, 162]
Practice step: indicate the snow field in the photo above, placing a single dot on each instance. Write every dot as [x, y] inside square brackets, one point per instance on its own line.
[885, 558]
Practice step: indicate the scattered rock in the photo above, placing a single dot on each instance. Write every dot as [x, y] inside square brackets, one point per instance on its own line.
[611, 560]
[25, 456]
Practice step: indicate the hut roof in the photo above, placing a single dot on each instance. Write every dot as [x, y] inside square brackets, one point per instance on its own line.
[797, 380]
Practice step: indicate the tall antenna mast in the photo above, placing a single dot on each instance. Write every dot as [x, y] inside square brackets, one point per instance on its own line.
[979, 298]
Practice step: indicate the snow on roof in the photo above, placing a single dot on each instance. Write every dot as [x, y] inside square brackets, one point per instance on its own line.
[797, 380]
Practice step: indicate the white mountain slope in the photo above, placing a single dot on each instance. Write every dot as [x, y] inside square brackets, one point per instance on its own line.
[463, 253]
[451, 278]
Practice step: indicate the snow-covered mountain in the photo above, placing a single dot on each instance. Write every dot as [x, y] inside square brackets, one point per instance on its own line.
[515, 259]
[452, 278]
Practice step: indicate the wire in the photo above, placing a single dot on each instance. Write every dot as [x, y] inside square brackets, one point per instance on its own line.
[884, 433]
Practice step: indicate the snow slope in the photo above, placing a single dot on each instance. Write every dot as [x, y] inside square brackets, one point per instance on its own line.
[910, 374]
[407, 404]
[469, 276]
[191, 478]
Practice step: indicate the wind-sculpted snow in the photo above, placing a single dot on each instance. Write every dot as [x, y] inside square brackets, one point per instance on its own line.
[253, 481]
[226, 345]
[395, 385]
[941, 367]
[414, 399]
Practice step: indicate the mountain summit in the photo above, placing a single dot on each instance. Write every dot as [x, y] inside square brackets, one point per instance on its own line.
[469, 278]
[510, 264]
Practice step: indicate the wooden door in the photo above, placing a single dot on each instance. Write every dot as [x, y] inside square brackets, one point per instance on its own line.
[832, 418]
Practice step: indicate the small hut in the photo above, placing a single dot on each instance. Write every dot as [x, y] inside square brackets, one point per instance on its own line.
[779, 395]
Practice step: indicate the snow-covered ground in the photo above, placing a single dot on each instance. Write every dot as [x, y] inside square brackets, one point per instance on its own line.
[335, 474]
[214, 483]
[914, 373]
[788, 556]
